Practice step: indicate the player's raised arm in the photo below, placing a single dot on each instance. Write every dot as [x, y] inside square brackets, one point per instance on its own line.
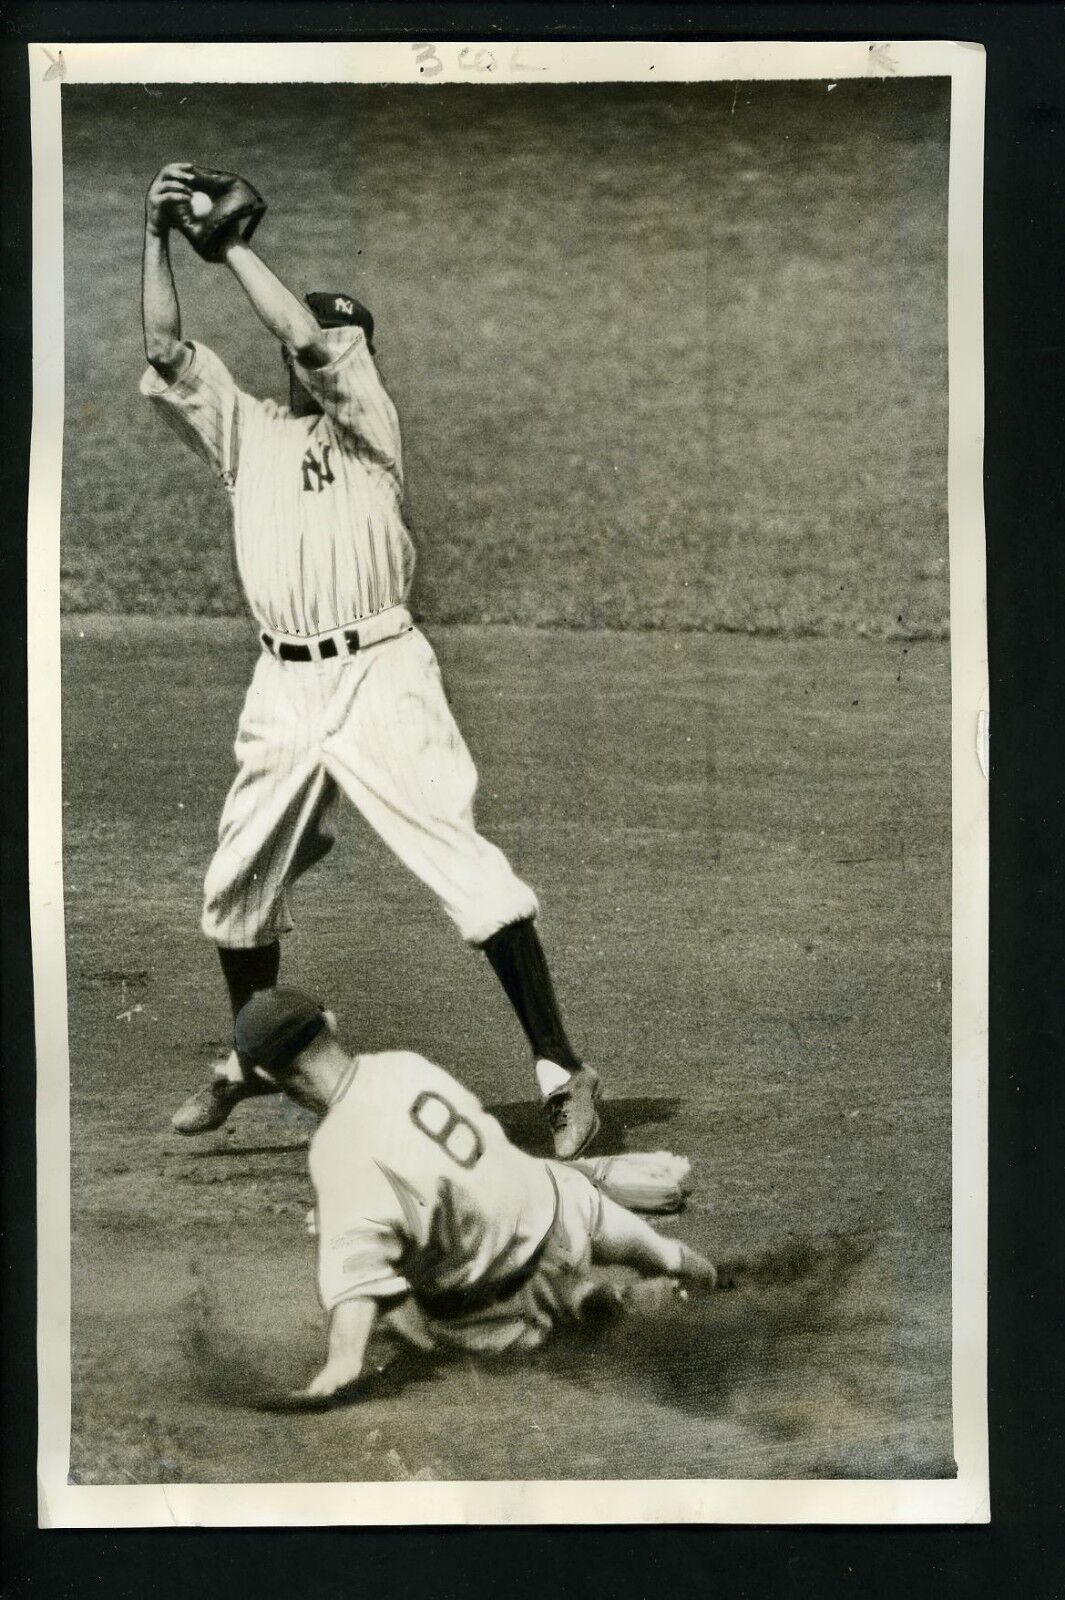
[341, 378]
[160, 311]
[185, 381]
[277, 308]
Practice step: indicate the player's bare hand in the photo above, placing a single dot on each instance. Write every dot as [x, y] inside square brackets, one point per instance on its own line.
[292, 1400]
[338, 1378]
[170, 189]
[315, 1397]
[338, 1383]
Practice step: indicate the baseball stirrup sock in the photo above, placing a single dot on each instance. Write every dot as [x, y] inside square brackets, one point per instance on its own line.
[246, 971]
[518, 960]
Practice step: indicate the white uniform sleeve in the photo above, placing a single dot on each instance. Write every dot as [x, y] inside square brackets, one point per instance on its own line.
[351, 394]
[360, 1246]
[203, 406]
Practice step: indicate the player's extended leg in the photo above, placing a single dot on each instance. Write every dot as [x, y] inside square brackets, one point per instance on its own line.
[261, 880]
[569, 1088]
[233, 1079]
[621, 1238]
[399, 755]
[590, 1229]
[270, 832]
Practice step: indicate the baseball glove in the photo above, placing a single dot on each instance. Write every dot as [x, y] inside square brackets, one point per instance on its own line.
[640, 1180]
[221, 203]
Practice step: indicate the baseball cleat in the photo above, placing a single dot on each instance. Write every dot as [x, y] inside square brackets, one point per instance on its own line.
[696, 1270]
[211, 1105]
[571, 1113]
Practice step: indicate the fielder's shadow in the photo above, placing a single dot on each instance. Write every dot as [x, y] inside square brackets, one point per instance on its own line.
[522, 1122]
[213, 1152]
[524, 1125]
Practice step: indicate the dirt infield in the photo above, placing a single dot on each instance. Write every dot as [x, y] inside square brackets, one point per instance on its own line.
[742, 850]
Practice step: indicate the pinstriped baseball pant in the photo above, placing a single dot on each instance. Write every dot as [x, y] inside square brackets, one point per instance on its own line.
[377, 727]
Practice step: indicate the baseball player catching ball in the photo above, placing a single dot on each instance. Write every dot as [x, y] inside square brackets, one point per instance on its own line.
[347, 695]
[428, 1218]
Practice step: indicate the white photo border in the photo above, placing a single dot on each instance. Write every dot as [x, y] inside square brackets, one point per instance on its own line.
[964, 1499]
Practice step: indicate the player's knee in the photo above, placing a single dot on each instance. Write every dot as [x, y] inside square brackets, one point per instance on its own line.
[218, 904]
[239, 920]
[215, 926]
[495, 907]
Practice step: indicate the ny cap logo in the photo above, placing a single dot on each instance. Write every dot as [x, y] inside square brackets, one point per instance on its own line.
[341, 304]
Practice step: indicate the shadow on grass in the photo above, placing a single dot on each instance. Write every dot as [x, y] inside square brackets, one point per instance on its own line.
[522, 1122]
[214, 1151]
[238, 1368]
[524, 1125]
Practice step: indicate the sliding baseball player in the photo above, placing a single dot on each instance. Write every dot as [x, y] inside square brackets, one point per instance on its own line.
[428, 1218]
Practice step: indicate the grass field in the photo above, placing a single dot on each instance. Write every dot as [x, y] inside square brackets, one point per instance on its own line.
[742, 848]
[665, 357]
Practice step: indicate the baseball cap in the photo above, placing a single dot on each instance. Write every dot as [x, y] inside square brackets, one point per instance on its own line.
[341, 311]
[275, 1025]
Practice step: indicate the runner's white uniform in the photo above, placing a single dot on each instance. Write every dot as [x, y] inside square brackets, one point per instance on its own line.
[420, 1192]
[322, 547]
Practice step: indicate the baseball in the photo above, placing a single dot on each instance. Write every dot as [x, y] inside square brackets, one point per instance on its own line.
[200, 203]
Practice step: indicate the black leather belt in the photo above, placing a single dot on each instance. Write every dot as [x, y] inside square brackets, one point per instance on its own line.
[322, 650]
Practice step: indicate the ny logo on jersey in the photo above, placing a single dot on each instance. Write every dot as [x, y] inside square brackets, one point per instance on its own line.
[316, 474]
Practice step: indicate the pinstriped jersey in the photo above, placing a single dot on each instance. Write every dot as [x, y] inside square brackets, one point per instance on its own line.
[317, 501]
